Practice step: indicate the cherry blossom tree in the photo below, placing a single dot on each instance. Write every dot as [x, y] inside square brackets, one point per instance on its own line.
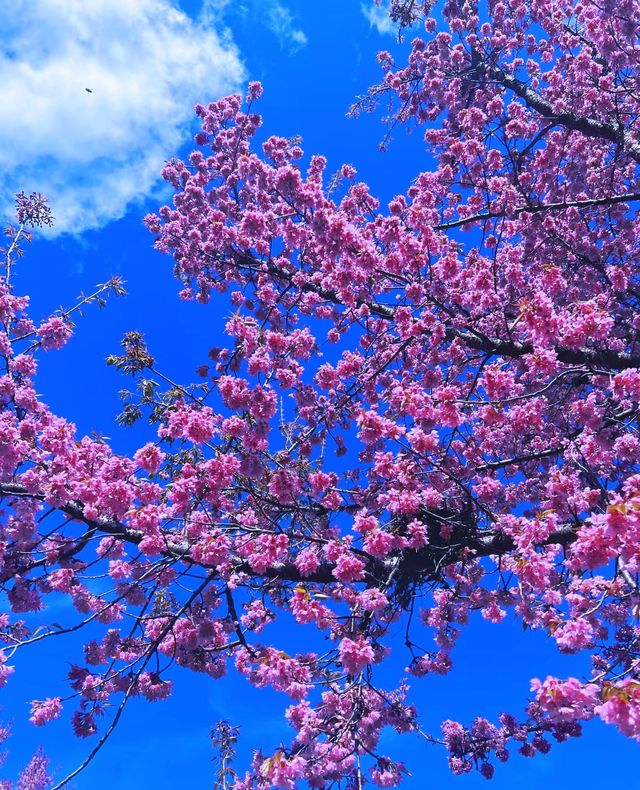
[34, 776]
[424, 410]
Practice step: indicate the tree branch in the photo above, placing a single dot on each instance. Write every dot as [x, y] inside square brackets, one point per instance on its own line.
[590, 127]
[537, 209]
[583, 356]
[424, 564]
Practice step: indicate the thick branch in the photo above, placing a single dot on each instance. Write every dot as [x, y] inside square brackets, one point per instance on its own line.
[590, 127]
[613, 360]
[539, 208]
[605, 358]
[423, 565]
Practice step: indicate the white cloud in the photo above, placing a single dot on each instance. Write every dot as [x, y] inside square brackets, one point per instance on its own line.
[146, 64]
[271, 14]
[378, 16]
[281, 22]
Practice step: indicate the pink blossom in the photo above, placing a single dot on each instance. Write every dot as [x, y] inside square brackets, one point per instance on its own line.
[387, 774]
[379, 543]
[153, 687]
[348, 568]
[307, 561]
[54, 333]
[621, 707]
[567, 700]
[574, 635]
[285, 485]
[149, 458]
[356, 654]
[43, 711]
[5, 670]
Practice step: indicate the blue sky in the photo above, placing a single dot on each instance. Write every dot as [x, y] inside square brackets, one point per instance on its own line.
[97, 156]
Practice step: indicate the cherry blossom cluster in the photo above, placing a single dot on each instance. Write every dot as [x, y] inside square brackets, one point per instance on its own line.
[424, 413]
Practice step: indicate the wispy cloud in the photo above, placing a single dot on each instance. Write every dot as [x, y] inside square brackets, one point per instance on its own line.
[273, 15]
[280, 21]
[94, 96]
[378, 16]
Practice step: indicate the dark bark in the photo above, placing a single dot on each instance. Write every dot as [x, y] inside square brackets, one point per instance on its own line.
[410, 565]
